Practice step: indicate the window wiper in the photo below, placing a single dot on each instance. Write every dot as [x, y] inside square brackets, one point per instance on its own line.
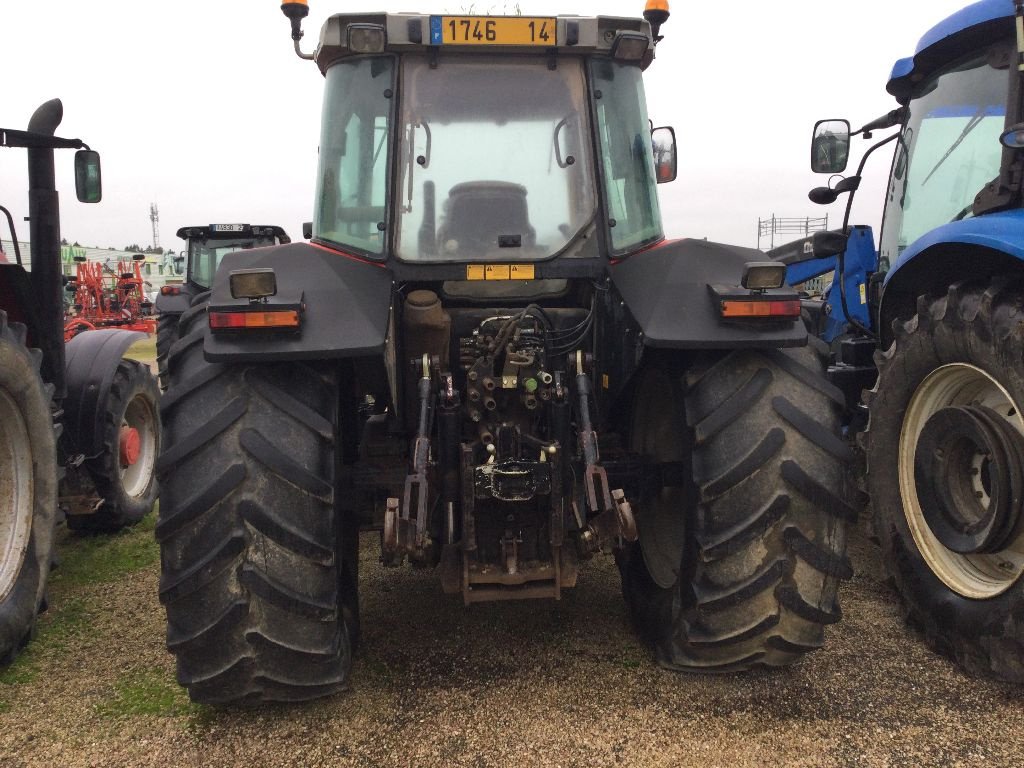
[971, 125]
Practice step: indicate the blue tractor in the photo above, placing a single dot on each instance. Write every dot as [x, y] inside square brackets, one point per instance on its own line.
[930, 327]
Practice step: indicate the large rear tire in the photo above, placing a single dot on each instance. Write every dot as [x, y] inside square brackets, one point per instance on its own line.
[741, 567]
[959, 359]
[28, 487]
[166, 335]
[261, 602]
[125, 471]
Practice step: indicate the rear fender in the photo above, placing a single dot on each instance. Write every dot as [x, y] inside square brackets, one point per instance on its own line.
[92, 358]
[667, 291]
[345, 306]
[175, 304]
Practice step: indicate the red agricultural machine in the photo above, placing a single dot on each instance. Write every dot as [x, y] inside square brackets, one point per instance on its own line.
[108, 299]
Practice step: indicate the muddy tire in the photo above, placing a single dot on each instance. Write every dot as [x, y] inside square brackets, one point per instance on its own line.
[125, 471]
[739, 567]
[961, 355]
[28, 487]
[166, 335]
[261, 604]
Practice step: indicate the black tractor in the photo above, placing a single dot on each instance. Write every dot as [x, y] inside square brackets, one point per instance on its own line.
[490, 352]
[79, 425]
[205, 247]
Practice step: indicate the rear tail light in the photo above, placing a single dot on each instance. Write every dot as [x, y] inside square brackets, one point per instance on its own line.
[170, 290]
[254, 320]
[761, 309]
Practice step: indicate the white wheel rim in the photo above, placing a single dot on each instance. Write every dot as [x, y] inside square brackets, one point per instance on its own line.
[16, 492]
[139, 415]
[977, 577]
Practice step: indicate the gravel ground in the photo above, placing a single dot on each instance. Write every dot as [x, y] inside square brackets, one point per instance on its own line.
[551, 684]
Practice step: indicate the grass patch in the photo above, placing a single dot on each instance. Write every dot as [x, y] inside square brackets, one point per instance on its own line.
[147, 693]
[54, 631]
[104, 558]
[144, 351]
[86, 560]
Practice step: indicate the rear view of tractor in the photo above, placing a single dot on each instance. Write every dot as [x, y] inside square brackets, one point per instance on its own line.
[205, 248]
[942, 302]
[490, 353]
[79, 426]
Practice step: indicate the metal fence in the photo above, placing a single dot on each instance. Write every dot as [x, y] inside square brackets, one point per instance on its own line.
[794, 229]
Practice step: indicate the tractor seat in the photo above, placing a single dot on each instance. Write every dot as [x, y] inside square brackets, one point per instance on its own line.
[481, 216]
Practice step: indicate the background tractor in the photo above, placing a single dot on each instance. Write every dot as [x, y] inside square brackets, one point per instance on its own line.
[205, 247]
[78, 424]
[490, 352]
[932, 323]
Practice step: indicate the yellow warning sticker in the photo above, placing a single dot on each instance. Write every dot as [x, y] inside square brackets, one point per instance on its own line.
[522, 272]
[500, 272]
[863, 294]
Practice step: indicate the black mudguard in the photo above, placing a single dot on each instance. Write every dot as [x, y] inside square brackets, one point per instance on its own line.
[346, 302]
[666, 290]
[173, 305]
[92, 359]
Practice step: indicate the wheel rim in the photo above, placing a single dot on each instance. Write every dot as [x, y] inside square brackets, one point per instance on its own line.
[656, 433]
[975, 576]
[16, 491]
[138, 424]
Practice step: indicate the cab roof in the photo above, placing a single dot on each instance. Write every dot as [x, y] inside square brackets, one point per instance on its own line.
[968, 29]
[213, 231]
[418, 32]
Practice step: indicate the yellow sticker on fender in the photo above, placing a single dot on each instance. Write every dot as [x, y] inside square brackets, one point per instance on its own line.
[498, 271]
[475, 272]
[863, 294]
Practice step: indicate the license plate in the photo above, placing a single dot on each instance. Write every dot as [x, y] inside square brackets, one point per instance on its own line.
[228, 227]
[501, 30]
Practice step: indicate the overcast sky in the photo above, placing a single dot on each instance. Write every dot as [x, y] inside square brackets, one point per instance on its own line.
[202, 107]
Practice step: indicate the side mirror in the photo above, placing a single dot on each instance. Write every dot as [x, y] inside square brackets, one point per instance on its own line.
[88, 179]
[664, 142]
[830, 147]
[1013, 137]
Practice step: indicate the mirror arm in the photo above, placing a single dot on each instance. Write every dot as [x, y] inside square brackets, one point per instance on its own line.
[34, 140]
[888, 120]
[860, 173]
[841, 266]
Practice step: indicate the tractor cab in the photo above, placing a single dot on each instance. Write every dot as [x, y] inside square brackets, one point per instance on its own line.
[208, 245]
[206, 248]
[462, 139]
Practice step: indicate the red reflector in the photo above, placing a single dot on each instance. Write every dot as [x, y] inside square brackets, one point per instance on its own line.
[761, 308]
[287, 318]
[170, 290]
